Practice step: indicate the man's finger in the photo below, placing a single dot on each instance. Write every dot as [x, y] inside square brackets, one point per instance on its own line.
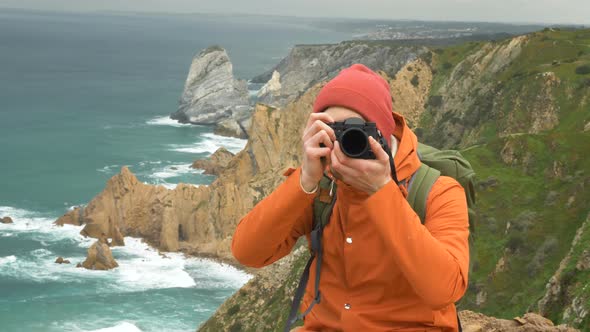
[339, 154]
[340, 166]
[313, 117]
[317, 126]
[378, 150]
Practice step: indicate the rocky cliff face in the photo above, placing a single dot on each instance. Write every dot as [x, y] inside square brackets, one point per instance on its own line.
[127, 207]
[212, 95]
[307, 65]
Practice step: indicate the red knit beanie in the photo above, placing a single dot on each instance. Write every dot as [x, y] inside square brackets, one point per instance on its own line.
[363, 91]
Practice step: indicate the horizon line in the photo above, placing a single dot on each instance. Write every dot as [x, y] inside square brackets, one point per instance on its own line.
[128, 12]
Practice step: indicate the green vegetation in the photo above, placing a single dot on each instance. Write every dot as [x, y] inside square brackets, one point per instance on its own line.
[583, 70]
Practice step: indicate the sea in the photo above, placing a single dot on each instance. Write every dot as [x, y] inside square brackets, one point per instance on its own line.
[82, 95]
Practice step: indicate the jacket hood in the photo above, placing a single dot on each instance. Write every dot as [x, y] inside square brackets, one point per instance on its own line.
[406, 159]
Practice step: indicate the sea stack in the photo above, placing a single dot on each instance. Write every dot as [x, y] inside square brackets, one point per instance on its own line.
[212, 96]
[100, 257]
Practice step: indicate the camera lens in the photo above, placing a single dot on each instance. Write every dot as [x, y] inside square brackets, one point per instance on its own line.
[354, 142]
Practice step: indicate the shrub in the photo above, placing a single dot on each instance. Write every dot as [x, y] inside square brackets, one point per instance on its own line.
[447, 65]
[233, 310]
[237, 327]
[515, 242]
[583, 70]
[415, 81]
[435, 101]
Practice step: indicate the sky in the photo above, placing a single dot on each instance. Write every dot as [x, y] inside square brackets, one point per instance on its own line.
[514, 11]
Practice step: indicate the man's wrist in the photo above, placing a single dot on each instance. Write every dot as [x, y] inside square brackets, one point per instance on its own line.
[306, 184]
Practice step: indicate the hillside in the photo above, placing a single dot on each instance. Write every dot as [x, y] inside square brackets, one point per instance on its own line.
[519, 109]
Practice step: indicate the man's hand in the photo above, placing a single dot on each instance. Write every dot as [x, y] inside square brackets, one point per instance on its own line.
[316, 132]
[367, 175]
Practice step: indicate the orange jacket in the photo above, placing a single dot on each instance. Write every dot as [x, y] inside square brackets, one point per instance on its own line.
[383, 270]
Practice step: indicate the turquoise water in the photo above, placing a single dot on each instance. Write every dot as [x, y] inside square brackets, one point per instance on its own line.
[80, 97]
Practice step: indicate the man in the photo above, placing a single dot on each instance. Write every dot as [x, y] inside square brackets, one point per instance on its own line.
[382, 269]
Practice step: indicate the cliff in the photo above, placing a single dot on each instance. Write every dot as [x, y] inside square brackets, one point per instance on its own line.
[519, 112]
[213, 96]
[307, 65]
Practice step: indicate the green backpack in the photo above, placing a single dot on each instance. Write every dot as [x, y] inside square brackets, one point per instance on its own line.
[434, 164]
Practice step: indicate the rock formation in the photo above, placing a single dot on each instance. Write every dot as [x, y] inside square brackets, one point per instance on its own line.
[530, 322]
[215, 163]
[6, 220]
[163, 217]
[99, 257]
[212, 95]
[61, 260]
[74, 217]
[308, 65]
[410, 88]
[560, 290]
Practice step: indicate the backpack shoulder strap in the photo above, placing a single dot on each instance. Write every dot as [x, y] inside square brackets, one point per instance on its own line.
[324, 202]
[419, 188]
[322, 210]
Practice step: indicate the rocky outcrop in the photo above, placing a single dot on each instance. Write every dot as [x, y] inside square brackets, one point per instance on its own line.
[72, 218]
[561, 288]
[6, 220]
[212, 95]
[308, 65]
[465, 99]
[99, 257]
[410, 88]
[530, 322]
[163, 217]
[215, 163]
[61, 260]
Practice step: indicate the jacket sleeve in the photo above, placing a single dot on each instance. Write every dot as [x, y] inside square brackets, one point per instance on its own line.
[433, 257]
[269, 231]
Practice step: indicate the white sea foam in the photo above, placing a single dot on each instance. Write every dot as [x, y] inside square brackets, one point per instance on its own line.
[39, 226]
[171, 171]
[6, 260]
[209, 274]
[108, 169]
[210, 143]
[121, 327]
[140, 266]
[166, 121]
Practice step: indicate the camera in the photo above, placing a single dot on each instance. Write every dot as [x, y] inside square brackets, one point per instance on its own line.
[353, 136]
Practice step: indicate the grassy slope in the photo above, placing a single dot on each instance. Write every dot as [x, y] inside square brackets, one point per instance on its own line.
[542, 227]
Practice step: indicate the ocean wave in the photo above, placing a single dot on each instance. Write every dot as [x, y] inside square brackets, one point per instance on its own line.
[141, 267]
[39, 226]
[175, 170]
[209, 143]
[6, 260]
[109, 169]
[121, 327]
[209, 274]
[167, 121]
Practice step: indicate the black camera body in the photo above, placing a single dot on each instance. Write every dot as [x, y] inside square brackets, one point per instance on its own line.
[353, 136]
